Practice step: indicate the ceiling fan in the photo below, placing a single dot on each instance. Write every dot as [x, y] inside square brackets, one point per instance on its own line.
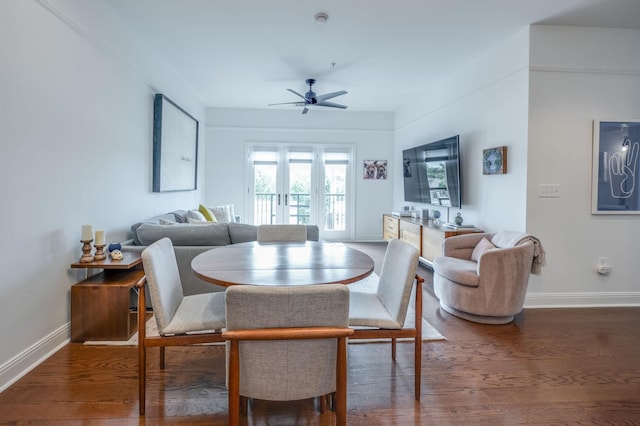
[310, 98]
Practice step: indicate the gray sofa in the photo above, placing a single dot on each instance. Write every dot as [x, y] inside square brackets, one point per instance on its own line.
[191, 239]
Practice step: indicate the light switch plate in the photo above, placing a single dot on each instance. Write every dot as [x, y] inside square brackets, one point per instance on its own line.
[549, 190]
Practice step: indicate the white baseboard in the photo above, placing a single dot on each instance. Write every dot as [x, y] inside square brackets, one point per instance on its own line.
[581, 300]
[14, 369]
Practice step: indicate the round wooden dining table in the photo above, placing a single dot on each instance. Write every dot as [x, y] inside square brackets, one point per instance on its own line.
[282, 264]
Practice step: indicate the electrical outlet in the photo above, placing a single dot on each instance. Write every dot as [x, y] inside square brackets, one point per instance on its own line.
[549, 190]
[603, 268]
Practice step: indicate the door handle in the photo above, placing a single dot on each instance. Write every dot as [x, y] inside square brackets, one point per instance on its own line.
[278, 199]
[286, 199]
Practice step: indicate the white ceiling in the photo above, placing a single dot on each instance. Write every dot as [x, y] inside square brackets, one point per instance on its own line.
[245, 53]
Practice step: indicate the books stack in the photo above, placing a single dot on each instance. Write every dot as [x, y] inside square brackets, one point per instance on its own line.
[456, 226]
[402, 213]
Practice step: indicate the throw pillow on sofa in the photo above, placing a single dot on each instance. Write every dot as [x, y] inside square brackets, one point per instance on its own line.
[224, 213]
[208, 214]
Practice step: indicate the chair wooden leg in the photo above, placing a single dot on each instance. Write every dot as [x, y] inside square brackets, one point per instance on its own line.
[142, 350]
[341, 383]
[234, 384]
[393, 348]
[322, 403]
[325, 401]
[162, 357]
[142, 378]
[244, 406]
[418, 339]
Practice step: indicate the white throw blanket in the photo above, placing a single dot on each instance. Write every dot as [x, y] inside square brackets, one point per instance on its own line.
[504, 239]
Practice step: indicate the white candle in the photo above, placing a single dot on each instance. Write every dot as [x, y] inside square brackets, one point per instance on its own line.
[87, 233]
[99, 238]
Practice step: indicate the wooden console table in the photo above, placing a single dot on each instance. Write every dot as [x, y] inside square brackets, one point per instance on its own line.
[424, 235]
[100, 304]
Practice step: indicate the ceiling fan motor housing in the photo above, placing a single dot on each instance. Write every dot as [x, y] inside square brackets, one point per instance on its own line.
[310, 98]
[311, 95]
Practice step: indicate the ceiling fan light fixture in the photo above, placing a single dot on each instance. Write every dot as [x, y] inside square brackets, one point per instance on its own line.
[321, 18]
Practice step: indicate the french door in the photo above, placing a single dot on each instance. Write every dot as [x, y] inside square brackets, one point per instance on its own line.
[302, 185]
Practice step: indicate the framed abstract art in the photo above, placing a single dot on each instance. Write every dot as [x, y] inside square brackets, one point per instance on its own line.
[175, 147]
[615, 185]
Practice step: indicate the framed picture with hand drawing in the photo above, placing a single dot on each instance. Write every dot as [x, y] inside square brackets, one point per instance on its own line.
[615, 185]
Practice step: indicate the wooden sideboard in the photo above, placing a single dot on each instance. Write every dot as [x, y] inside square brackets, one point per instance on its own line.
[424, 235]
[100, 304]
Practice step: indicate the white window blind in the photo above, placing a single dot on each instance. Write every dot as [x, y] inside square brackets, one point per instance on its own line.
[264, 157]
[336, 157]
[300, 156]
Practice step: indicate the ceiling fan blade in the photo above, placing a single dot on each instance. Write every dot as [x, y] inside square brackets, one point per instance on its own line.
[331, 104]
[296, 103]
[305, 110]
[296, 93]
[328, 96]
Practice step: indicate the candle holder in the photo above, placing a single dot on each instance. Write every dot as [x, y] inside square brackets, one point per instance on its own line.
[86, 251]
[99, 252]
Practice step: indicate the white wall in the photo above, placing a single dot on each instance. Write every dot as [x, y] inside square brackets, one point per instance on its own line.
[229, 131]
[578, 75]
[76, 140]
[486, 103]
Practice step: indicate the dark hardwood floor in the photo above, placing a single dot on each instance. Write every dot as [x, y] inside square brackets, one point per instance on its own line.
[550, 366]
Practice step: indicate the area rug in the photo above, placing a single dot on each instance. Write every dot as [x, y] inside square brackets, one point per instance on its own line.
[368, 284]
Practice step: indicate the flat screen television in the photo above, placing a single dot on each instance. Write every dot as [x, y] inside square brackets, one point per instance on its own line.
[432, 173]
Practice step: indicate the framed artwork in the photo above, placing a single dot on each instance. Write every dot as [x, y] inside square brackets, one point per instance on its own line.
[175, 147]
[375, 169]
[494, 161]
[615, 186]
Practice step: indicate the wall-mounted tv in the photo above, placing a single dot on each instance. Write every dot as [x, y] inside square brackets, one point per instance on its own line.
[432, 173]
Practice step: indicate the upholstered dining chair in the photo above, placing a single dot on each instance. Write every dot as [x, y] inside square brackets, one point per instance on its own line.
[287, 343]
[181, 320]
[282, 233]
[382, 314]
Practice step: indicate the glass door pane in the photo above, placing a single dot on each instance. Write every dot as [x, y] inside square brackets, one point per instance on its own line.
[299, 194]
[335, 209]
[266, 194]
[302, 185]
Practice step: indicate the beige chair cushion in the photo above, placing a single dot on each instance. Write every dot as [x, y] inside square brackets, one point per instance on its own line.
[460, 271]
[198, 312]
[387, 308]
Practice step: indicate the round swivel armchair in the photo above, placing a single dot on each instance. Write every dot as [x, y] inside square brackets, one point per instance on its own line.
[483, 277]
